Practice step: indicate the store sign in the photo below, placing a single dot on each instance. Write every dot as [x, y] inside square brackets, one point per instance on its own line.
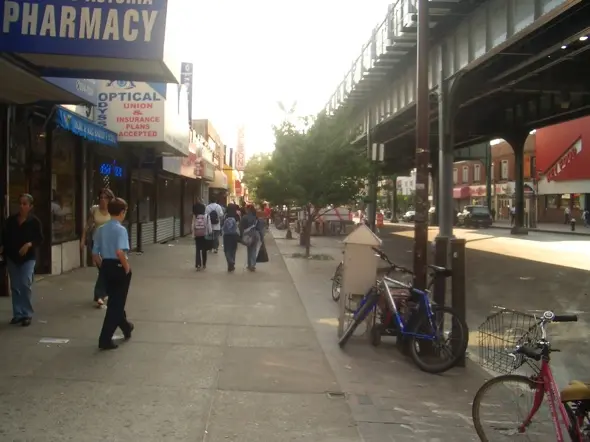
[186, 78]
[240, 151]
[83, 88]
[238, 187]
[85, 128]
[134, 110]
[564, 161]
[127, 29]
[112, 170]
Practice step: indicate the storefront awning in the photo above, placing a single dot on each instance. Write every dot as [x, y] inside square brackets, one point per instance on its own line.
[85, 128]
[121, 40]
[219, 180]
[18, 85]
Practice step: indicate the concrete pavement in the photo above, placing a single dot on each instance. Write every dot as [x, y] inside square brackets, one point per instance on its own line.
[214, 357]
[550, 227]
[390, 399]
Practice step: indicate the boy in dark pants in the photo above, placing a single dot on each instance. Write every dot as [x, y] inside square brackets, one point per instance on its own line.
[111, 244]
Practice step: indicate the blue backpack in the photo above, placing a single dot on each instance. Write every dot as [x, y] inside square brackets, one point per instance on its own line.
[230, 226]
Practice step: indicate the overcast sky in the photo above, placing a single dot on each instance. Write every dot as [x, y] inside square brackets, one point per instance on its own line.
[249, 55]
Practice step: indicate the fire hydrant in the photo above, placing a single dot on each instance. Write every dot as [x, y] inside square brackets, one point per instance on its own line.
[573, 224]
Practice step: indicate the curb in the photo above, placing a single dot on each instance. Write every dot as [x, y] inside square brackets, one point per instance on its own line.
[558, 232]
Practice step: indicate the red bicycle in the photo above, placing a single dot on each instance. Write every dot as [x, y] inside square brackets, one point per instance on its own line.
[507, 341]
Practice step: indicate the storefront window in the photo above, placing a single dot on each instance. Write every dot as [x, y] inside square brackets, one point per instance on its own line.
[63, 187]
[553, 201]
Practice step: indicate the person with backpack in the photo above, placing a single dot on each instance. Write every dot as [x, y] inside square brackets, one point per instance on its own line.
[215, 213]
[201, 230]
[231, 236]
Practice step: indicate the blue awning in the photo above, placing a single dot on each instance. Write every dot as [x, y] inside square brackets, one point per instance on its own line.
[85, 128]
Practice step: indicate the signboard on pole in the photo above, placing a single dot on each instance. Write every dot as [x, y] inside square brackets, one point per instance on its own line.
[186, 78]
[240, 151]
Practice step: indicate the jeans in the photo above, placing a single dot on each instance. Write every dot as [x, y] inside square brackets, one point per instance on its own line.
[99, 287]
[216, 234]
[230, 247]
[252, 251]
[21, 280]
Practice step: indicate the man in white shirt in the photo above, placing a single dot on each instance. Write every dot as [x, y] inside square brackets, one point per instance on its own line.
[215, 213]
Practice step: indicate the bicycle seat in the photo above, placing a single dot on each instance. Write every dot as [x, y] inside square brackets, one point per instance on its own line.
[575, 391]
[443, 271]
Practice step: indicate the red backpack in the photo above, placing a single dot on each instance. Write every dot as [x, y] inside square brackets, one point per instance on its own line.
[199, 226]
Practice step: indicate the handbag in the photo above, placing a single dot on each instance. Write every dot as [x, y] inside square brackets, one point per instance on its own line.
[248, 237]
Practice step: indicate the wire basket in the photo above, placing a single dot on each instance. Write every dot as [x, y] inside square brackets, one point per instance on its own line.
[500, 334]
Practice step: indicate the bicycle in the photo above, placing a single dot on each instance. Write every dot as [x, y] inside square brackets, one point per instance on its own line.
[419, 328]
[509, 339]
[337, 279]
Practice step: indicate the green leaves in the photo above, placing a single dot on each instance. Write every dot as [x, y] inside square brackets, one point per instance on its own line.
[313, 163]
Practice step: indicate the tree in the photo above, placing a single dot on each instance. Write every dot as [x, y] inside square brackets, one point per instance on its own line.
[254, 169]
[318, 165]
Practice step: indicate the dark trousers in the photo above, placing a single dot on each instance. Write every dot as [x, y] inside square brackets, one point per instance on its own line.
[201, 245]
[230, 247]
[116, 283]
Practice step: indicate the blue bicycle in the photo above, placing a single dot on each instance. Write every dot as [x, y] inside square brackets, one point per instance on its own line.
[420, 325]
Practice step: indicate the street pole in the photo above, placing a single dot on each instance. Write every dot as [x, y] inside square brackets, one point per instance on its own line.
[422, 149]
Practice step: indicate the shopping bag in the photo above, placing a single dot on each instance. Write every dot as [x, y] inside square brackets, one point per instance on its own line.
[262, 254]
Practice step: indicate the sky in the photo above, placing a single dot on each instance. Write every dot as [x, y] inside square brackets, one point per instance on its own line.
[249, 55]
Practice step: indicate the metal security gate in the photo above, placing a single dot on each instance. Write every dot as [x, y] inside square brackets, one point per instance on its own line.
[133, 236]
[147, 233]
[165, 229]
[176, 227]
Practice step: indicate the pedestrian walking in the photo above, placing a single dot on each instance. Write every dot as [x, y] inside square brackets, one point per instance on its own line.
[566, 215]
[98, 216]
[109, 252]
[252, 230]
[21, 236]
[202, 229]
[215, 213]
[231, 235]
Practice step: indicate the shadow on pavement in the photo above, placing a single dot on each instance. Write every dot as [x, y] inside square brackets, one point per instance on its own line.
[494, 279]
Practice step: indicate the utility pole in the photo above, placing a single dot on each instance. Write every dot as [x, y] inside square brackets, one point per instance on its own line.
[422, 148]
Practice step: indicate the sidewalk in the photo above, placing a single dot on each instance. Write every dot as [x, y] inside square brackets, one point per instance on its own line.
[390, 399]
[549, 228]
[215, 357]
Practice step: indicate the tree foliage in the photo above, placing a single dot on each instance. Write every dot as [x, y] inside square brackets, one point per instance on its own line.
[314, 166]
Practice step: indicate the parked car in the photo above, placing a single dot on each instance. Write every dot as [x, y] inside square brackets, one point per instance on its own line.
[475, 216]
[409, 216]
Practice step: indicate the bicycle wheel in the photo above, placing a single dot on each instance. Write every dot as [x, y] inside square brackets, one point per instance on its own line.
[490, 410]
[370, 301]
[438, 355]
[337, 283]
[574, 423]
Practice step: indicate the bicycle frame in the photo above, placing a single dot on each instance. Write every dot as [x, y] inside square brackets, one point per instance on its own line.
[424, 302]
[547, 385]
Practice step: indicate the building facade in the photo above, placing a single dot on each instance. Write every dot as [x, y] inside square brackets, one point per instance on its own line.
[562, 169]
[218, 187]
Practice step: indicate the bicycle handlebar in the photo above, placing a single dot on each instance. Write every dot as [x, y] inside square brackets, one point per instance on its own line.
[548, 317]
[394, 267]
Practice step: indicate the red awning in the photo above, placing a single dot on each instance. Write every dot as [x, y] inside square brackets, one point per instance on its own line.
[460, 193]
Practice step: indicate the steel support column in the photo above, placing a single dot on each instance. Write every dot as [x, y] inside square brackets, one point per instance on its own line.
[517, 142]
[422, 148]
[445, 162]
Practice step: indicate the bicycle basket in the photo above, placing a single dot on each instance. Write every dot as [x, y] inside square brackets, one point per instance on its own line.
[500, 334]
